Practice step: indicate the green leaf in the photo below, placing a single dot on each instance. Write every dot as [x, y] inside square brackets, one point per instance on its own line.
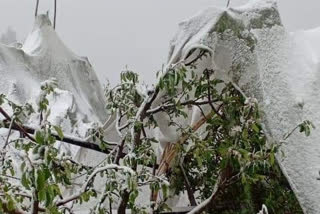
[23, 165]
[165, 190]
[85, 196]
[59, 132]
[42, 194]
[245, 134]
[49, 196]
[40, 180]
[243, 179]
[255, 128]
[39, 137]
[133, 195]
[24, 181]
[11, 205]
[2, 96]
[272, 158]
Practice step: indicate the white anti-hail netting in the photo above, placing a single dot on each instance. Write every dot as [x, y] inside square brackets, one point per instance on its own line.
[251, 48]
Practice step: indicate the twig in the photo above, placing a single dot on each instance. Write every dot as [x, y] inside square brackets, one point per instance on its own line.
[4, 113]
[201, 110]
[201, 54]
[188, 186]
[11, 177]
[70, 140]
[189, 102]
[209, 93]
[290, 133]
[119, 152]
[9, 133]
[219, 185]
[85, 185]
[224, 180]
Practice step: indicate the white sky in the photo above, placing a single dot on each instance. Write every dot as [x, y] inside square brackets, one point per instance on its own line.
[135, 33]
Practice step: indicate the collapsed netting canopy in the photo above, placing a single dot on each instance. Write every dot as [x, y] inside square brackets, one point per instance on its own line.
[77, 104]
[251, 48]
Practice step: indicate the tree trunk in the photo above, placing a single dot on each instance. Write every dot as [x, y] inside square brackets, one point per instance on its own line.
[123, 204]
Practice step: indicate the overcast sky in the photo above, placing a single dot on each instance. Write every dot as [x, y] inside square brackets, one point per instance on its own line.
[135, 33]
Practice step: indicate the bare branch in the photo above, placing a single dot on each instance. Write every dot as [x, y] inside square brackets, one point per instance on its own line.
[219, 185]
[188, 187]
[17, 126]
[26, 130]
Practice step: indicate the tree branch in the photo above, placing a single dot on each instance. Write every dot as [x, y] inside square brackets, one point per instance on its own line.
[219, 185]
[188, 187]
[207, 72]
[189, 102]
[85, 185]
[68, 140]
[9, 133]
[17, 126]
[201, 54]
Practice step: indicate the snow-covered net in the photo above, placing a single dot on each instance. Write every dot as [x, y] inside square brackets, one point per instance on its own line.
[251, 48]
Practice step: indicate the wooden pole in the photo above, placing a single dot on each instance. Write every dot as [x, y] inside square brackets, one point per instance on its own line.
[37, 6]
[228, 4]
[55, 14]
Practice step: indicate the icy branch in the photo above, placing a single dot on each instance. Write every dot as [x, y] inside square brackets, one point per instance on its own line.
[67, 139]
[91, 177]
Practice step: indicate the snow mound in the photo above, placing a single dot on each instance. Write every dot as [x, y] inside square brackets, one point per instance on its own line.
[250, 47]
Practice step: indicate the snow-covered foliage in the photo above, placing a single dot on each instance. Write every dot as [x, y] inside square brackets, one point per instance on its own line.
[77, 104]
[203, 111]
[279, 69]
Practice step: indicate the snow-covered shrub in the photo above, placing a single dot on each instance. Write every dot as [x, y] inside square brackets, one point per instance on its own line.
[218, 154]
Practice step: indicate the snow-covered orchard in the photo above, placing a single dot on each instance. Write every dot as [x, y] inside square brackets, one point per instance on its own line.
[228, 127]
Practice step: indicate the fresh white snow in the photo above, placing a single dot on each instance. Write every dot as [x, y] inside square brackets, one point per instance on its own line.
[281, 72]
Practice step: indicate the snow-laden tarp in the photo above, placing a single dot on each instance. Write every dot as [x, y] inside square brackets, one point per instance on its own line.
[43, 56]
[77, 104]
[251, 48]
